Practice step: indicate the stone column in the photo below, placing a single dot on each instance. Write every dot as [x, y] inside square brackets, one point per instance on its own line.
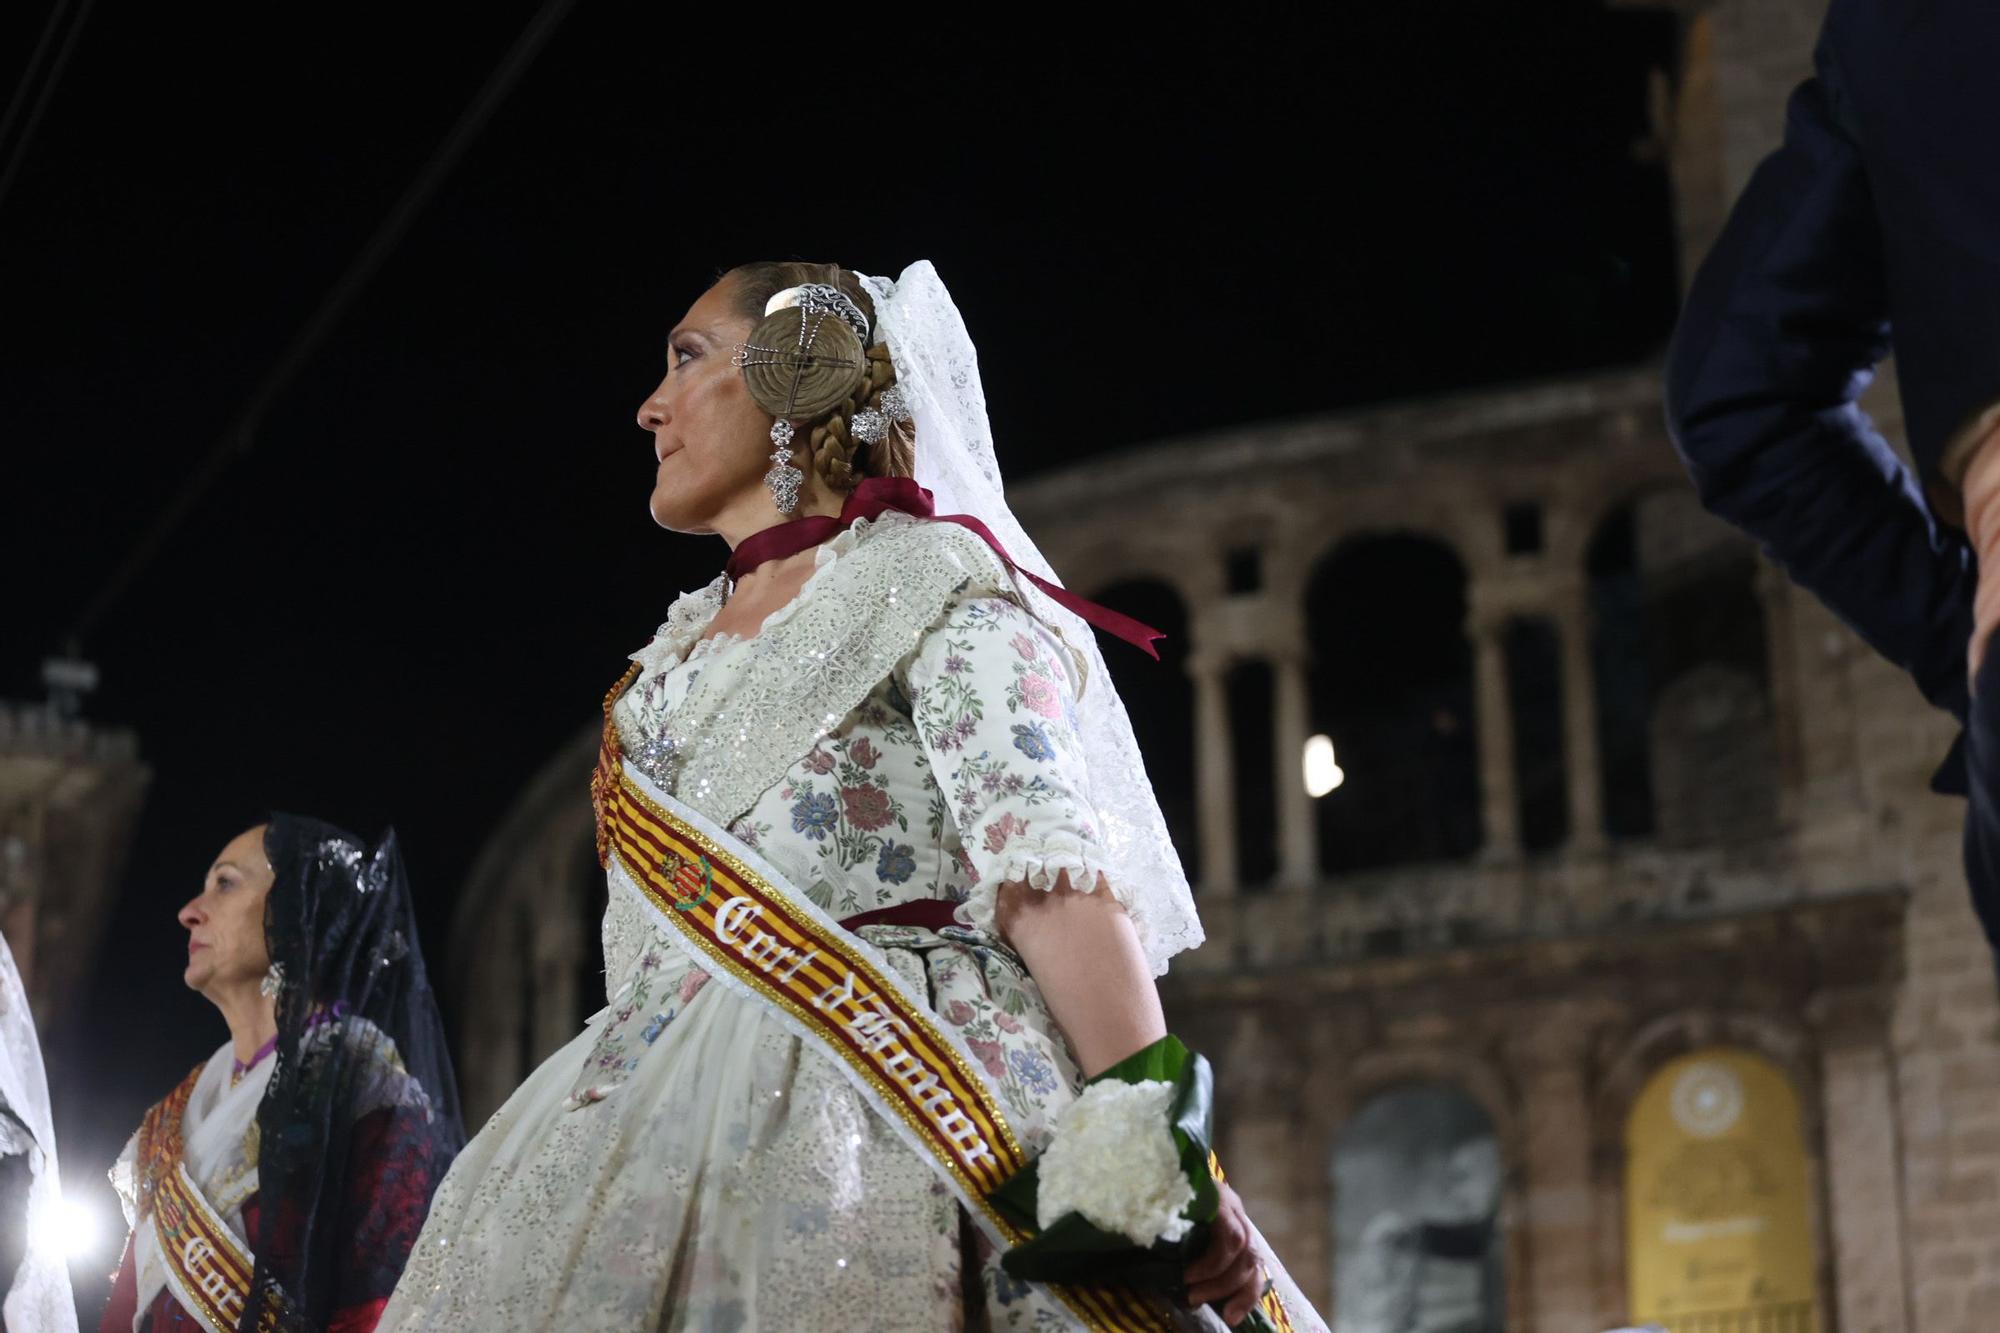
[1558, 1214]
[1864, 1193]
[1582, 766]
[1774, 593]
[1298, 842]
[1215, 774]
[1499, 808]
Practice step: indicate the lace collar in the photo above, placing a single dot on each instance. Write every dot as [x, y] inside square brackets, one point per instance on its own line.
[693, 612]
[765, 702]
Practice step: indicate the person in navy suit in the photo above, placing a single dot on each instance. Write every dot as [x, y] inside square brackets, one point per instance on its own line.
[1874, 228]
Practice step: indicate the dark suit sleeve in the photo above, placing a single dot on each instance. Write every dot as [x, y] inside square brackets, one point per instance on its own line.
[1781, 333]
[1910, 83]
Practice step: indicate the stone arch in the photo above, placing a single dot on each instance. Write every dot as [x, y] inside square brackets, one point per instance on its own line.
[1100, 565]
[1421, 1197]
[1337, 535]
[525, 964]
[1596, 496]
[1670, 589]
[1629, 1066]
[1384, 1069]
[1391, 681]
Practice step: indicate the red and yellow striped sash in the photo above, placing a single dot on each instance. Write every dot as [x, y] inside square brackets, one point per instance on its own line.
[208, 1268]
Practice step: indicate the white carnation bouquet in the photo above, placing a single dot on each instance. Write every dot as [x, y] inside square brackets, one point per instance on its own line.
[1125, 1192]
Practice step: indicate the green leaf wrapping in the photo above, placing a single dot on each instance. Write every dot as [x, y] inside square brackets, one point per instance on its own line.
[1075, 1250]
[1016, 1198]
[1161, 1062]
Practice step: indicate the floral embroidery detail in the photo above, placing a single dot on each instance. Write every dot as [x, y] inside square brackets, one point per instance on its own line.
[864, 753]
[868, 807]
[1038, 695]
[655, 1027]
[692, 983]
[1032, 740]
[1003, 828]
[819, 761]
[955, 665]
[988, 1055]
[1024, 645]
[958, 1012]
[1033, 1069]
[896, 863]
[814, 815]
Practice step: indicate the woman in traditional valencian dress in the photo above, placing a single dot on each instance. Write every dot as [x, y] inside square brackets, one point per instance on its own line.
[34, 1273]
[283, 1183]
[887, 881]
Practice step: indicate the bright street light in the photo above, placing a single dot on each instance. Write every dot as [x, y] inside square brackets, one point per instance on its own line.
[69, 1227]
[1322, 774]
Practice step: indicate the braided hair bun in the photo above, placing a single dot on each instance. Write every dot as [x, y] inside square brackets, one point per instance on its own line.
[832, 391]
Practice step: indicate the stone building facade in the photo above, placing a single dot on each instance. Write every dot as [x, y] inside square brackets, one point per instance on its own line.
[1635, 845]
[70, 796]
[1824, 928]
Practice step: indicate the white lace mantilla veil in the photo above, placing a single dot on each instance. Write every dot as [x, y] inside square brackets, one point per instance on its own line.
[39, 1297]
[939, 373]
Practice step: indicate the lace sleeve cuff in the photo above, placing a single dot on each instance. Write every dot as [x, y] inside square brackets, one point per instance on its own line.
[1040, 864]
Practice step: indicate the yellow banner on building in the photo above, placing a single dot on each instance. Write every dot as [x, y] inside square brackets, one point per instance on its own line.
[1718, 1214]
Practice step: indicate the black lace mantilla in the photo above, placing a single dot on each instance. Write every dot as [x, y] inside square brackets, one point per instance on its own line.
[361, 1118]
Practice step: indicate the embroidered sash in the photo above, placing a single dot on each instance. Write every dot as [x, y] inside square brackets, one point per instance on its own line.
[208, 1268]
[764, 939]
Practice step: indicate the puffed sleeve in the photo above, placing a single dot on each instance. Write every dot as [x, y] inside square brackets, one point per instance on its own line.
[993, 698]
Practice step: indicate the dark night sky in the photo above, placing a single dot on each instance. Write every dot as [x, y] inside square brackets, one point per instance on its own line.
[421, 580]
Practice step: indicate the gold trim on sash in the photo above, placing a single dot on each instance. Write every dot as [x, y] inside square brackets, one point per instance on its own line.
[743, 923]
[208, 1269]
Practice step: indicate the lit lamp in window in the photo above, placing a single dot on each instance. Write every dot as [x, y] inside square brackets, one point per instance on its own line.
[1322, 774]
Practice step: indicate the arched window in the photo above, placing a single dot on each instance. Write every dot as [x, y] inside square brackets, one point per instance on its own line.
[1718, 1220]
[1679, 652]
[1416, 1216]
[1715, 762]
[527, 961]
[1392, 686]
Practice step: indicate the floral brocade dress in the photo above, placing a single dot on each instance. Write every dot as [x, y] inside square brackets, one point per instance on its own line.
[684, 1163]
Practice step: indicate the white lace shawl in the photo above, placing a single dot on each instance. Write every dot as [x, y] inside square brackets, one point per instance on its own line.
[38, 1292]
[879, 588]
[938, 370]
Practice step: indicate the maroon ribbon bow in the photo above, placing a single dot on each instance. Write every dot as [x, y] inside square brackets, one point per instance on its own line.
[875, 496]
